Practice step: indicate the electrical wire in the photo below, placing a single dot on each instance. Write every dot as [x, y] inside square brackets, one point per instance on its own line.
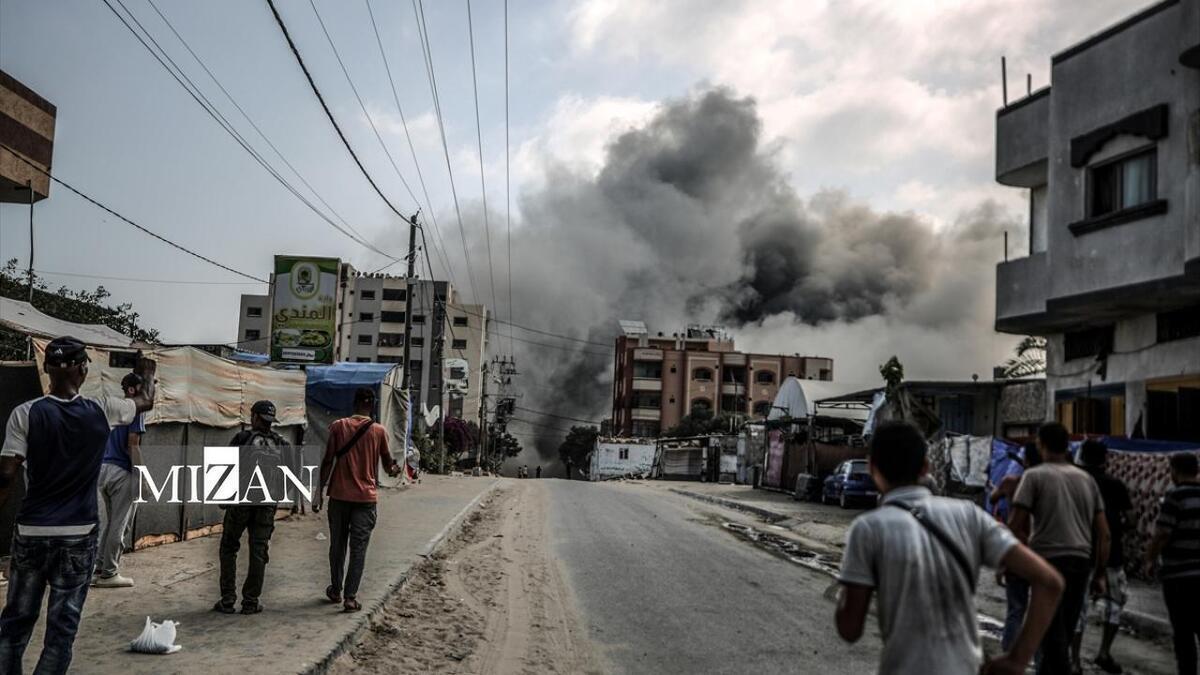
[487, 229]
[559, 417]
[328, 113]
[145, 281]
[423, 34]
[197, 95]
[507, 185]
[145, 230]
[437, 231]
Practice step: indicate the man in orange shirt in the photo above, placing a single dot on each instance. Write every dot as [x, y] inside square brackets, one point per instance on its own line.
[350, 471]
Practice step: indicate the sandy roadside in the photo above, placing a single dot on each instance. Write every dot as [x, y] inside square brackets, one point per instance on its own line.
[491, 601]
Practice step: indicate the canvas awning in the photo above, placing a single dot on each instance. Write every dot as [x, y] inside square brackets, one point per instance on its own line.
[23, 318]
[195, 386]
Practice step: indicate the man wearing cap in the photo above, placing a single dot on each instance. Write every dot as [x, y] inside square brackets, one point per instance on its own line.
[116, 492]
[263, 447]
[60, 440]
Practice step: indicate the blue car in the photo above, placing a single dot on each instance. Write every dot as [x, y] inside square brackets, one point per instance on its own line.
[850, 483]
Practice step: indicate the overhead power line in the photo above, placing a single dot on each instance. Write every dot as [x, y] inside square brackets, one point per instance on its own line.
[507, 185]
[423, 34]
[328, 113]
[558, 417]
[177, 73]
[437, 231]
[113, 213]
[487, 229]
[196, 282]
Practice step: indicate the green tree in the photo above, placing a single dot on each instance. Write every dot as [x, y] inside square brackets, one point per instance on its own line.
[701, 421]
[892, 372]
[69, 305]
[1029, 360]
[576, 449]
[503, 446]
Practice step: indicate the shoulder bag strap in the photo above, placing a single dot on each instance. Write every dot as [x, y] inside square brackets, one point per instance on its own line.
[362, 429]
[944, 539]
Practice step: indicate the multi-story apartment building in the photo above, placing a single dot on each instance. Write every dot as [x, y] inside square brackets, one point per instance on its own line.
[657, 380]
[1110, 155]
[371, 317]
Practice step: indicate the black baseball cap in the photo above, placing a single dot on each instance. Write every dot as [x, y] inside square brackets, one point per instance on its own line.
[264, 409]
[66, 351]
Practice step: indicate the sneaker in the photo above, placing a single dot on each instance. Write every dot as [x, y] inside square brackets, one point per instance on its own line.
[1108, 665]
[115, 581]
[252, 609]
[224, 608]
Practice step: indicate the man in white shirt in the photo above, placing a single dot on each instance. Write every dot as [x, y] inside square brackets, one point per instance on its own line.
[60, 440]
[921, 555]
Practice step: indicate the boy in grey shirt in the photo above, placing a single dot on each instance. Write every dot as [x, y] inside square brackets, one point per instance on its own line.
[921, 554]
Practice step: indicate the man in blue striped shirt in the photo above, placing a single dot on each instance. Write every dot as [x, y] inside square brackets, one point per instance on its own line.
[1177, 540]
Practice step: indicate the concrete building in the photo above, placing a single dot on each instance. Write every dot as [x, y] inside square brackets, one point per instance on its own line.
[657, 380]
[26, 126]
[371, 329]
[1110, 156]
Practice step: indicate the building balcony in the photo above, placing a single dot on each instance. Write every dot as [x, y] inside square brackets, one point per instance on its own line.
[652, 414]
[1022, 287]
[647, 355]
[734, 388]
[1023, 141]
[733, 359]
[646, 384]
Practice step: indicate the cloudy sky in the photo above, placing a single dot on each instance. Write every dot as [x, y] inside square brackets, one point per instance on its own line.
[865, 117]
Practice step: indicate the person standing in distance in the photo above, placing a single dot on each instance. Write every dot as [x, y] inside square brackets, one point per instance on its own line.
[117, 482]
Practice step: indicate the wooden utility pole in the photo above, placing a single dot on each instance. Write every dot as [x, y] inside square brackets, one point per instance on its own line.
[409, 288]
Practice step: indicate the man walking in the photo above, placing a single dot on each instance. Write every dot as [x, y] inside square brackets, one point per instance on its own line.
[921, 555]
[1094, 457]
[60, 440]
[350, 469]
[1068, 529]
[264, 447]
[116, 492]
[1177, 540]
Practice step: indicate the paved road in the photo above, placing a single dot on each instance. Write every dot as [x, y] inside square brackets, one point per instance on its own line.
[663, 588]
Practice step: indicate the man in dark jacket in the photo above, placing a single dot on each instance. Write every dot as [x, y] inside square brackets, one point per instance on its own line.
[262, 446]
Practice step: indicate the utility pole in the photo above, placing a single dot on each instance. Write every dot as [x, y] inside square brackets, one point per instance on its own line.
[483, 396]
[29, 339]
[443, 392]
[409, 288]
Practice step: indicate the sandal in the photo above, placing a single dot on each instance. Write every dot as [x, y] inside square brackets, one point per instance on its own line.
[334, 595]
[351, 605]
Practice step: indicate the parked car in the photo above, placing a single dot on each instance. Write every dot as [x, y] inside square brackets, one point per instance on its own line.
[850, 483]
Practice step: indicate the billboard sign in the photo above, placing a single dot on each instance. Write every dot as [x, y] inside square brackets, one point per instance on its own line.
[304, 312]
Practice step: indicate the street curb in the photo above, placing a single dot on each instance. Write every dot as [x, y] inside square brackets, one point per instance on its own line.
[1143, 624]
[773, 516]
[375, 609]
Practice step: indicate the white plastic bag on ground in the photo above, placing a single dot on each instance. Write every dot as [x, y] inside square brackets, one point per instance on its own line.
[156, 638]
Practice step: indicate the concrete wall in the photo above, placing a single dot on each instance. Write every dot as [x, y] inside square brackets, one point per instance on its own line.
[261, 323]
[607, 462]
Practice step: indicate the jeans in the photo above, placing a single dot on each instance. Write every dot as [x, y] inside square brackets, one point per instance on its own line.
[1056, 644]
[259, 521]
[65, 565]
[1016, 591]
[350, 524]
[1184, 612]
[116, 510]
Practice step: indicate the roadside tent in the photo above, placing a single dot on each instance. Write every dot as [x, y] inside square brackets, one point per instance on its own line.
[201, 400]
[330, 395]
[23, 318]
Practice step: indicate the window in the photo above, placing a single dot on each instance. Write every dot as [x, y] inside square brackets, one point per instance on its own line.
[762, 408]
[414, 367]
[388, 359]
[364, 339]
[644, 429]
[733, 403]
[646, 399]
[647, 370]
[623, 453]
[392, 317]
[701, 406]
[1123, 183]
[417, 342]
[366, 316]
[702, 374]
[1179, 324]
[418, 319]
[1088, 342]
[254, 311]
[395, 294]
[764, 377]
[458, 344]
[367, 295]
[391, 339]
[460, 321]
[363, 359]
[253, 334]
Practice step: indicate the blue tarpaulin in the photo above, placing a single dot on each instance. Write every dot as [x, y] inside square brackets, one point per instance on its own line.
[1007, 458]
[332, 387]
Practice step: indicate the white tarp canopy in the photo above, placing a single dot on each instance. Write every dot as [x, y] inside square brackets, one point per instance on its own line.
[798, 398]
[195, 386]
[23, 318]
[969, 458]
